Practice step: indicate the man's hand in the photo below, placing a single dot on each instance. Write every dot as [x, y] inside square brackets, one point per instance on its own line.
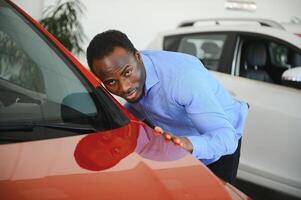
[182, 141]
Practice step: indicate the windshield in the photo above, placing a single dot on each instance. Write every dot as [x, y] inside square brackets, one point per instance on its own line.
[42, 94]
[35, 83]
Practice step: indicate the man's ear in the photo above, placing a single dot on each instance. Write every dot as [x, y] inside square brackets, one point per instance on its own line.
[138, 56]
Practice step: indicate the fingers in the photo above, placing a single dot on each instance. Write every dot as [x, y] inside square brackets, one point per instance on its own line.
[177, 141]
[183, 141]
[158, 129]
[167, 136]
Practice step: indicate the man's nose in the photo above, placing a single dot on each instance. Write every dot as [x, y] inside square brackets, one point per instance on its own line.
[125, 85]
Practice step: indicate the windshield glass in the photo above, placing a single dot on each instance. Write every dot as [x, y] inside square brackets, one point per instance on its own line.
[35, 83]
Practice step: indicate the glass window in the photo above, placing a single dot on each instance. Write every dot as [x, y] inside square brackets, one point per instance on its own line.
[284, 56]
[266, 59]
[32, 75]
[207, 47]
[279, 54]
[38, 85]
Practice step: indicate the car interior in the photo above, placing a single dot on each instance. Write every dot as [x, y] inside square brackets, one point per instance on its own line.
[189, 48]
[254, 62]
[211, 54]
[294, 59]
[207, 51]
[266, 60]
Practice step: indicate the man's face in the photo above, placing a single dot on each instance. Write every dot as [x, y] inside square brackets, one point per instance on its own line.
[122, 73]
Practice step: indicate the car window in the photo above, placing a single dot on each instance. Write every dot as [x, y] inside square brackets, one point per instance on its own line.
[207, 47]
[279, 55]
[265, 59]
[38, 85]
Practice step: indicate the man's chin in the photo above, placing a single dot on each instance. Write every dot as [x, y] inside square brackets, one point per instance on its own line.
[132, 100]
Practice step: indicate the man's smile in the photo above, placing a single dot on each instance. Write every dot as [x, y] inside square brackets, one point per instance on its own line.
[131, 94]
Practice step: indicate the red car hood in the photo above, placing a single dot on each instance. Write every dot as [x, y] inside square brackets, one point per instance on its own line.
[126, 163]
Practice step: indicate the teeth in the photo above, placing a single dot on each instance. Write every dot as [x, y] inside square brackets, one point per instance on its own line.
[131, 92]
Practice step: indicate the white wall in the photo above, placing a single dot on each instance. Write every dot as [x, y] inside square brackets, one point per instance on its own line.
[33, 7]
[141, 20]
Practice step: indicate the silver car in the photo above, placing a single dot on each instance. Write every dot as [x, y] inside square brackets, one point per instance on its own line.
[258, 61]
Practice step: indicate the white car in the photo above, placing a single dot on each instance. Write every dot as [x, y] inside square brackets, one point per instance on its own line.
[293, 26]
[257, 61]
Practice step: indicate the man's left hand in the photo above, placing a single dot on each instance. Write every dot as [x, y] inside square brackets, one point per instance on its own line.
[182, 141]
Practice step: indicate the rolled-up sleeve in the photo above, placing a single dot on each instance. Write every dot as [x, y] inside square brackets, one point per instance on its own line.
[195, 91]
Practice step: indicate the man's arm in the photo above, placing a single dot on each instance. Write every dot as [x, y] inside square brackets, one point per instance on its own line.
[195, 91]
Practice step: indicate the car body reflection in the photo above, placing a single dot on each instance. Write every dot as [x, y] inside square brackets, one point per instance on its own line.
[102, 151]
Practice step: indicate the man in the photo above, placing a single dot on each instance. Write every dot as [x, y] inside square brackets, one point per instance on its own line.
[176, 93]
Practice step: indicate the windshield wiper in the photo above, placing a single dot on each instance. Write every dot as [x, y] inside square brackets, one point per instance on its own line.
[60, 126]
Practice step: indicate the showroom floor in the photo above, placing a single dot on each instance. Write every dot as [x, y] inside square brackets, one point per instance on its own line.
[261, 193]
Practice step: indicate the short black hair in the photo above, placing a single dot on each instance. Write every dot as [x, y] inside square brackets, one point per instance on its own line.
[104, 43]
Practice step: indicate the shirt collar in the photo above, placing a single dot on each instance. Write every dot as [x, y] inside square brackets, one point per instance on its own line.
[151, 74]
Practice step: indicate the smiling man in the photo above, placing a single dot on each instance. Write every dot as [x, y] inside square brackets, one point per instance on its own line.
[122, 73]
[174, 92]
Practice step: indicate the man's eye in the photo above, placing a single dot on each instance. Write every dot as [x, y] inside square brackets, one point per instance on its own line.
[110, 82]
[128, 73]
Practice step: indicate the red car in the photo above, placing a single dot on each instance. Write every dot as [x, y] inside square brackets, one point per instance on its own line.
[63, 136]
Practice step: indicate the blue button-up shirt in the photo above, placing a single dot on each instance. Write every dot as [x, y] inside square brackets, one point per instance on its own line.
[184, 99]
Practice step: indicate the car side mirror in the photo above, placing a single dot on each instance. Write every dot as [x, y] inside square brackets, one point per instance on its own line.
[292, 77]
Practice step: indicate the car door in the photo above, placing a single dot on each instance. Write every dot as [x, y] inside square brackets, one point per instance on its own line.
[270, 149]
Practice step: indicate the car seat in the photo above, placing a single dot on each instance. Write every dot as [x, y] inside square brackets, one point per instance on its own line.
[211, 50]
[211, 55]
[294, 59]
[189, 48]
[255, 61]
